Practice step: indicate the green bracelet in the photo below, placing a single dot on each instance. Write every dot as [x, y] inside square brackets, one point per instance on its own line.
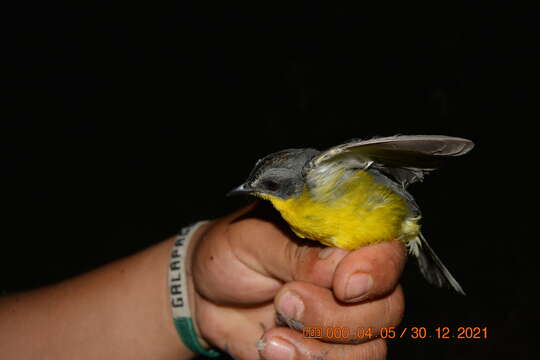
[189, 337]
[178, 289]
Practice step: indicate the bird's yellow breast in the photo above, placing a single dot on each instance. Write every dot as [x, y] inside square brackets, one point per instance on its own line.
[348, 214]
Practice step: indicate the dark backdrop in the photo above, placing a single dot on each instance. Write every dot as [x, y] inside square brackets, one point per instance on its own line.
[120, 124]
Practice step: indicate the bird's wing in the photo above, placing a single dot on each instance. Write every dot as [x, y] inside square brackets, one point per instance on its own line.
[406, 158]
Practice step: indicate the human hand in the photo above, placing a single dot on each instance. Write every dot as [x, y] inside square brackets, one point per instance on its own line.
[249, 265]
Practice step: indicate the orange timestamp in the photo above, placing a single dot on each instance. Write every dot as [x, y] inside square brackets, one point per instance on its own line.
[414, 332]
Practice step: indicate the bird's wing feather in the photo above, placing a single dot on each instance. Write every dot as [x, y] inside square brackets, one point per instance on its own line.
[431, 266]
[404, 157]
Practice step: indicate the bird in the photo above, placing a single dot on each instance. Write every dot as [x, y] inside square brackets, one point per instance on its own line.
[355, 194]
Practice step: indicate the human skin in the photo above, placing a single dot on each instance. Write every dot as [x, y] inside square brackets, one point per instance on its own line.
[249, 265]
[246, 268]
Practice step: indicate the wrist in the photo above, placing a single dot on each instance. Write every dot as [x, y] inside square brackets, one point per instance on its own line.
[194, 298]
[182, 290]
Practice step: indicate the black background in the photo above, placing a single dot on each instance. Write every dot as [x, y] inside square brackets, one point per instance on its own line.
[120, 124]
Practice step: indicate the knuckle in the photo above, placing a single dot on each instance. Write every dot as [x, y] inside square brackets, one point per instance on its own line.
[372, 350]
[388, 267]
[293, 256]
[301, 260]
[380, 350]
[396, 256]
[394, 307]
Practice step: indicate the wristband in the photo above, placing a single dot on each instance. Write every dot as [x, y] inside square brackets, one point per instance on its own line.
[179, 293]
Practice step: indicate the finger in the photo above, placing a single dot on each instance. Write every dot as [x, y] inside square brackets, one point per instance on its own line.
[302, 304]
[275, 251]
[369, 272]
[237, 329]
[222, 272]
[285, 343]
[246, 257]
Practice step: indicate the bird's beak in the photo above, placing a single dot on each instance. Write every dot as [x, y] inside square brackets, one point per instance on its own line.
[240, 190]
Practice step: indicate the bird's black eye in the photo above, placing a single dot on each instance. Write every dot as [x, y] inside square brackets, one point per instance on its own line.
[271, 185]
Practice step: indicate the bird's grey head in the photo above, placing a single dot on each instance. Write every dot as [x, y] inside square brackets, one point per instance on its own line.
[278, 174]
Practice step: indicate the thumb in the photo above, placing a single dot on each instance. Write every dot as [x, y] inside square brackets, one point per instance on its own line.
[246, 257]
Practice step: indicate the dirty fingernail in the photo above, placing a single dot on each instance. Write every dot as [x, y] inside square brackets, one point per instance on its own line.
[277, 348]
[291, 305]
[358, 286]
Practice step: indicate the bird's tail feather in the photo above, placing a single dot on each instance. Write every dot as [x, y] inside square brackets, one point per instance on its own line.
[431, 266]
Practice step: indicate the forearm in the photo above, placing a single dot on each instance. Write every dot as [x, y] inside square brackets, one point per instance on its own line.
[119, 311]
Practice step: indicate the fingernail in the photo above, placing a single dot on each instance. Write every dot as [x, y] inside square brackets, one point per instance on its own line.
[291, 305]
[276, 349]
[357, 286]
[326, 252]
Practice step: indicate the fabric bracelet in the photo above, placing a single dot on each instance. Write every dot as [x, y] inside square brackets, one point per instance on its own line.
[179, 293]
